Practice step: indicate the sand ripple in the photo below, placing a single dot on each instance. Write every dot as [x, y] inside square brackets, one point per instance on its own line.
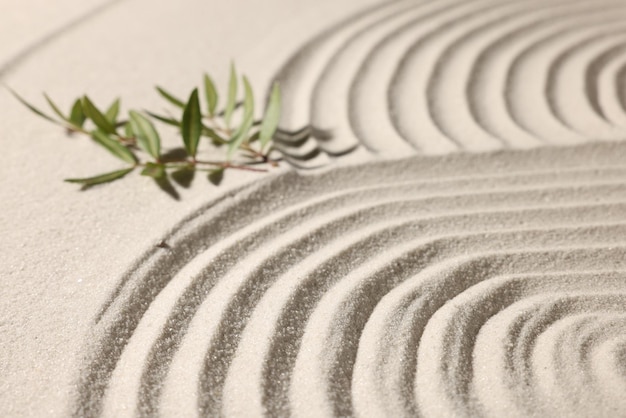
[453, 282]
[442, 286]
[433, 77]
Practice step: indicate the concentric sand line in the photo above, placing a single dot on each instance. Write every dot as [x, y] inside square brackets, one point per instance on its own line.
[608, 95]
[519, 369]
[371, 290]
[437, 77]
[581, 337]
[484, 275]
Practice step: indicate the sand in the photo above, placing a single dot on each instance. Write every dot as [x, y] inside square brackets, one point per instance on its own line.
[447, 240]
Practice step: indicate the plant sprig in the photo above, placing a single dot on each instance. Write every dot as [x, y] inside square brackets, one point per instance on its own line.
[136, 140]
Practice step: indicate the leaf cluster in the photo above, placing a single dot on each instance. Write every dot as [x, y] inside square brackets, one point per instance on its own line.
[136, 141]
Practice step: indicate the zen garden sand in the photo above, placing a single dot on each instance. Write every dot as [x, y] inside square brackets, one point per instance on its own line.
[450, 240]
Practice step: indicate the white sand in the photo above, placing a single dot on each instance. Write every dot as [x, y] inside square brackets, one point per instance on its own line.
[460, 249]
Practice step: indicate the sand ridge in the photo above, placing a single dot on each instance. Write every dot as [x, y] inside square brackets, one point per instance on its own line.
[431, 77]
[348, 300]
[445, 239]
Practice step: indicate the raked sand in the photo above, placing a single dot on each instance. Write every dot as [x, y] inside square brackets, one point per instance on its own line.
[448, 239]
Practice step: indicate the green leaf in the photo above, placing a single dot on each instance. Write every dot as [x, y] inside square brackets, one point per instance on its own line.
[128, 130]
[103, 178]
[33, 108]
[192, 124]
[248, 119]
[147, 136]
[239, 138]
[248, 101]
[55, 108]
[92, 112]
[113, 111]
[254, 137]
[271, 117]
[211, 94]
[114, 147]
[232, 95]
[216, 176]
[208, 132]
[77, 116]
[164, 119]
[167, 96]
[154, 170]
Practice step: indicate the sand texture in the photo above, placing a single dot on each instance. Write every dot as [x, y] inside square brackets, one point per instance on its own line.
[447, 237]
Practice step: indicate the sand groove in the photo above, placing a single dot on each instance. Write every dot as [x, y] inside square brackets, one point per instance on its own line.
[480, 274]
[379, 294]
[433, 77]
[447, 237]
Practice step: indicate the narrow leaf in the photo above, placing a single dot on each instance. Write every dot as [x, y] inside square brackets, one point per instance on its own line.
[211, 94]
[33, 108]
[147, 136]
[92, 112]
[192, 124]
[237, 106]
[208, 132]
[55, 108]
[113, 111]
[77, 116]
[254, 137]
[154, 170]
[114, 147]
[128, 130]
[167, 96]
[232, 95]
[216, 176]
[248, 101]
[239, 137]
[164, 119]
[103, 178]
[248, 119]
[271, 117]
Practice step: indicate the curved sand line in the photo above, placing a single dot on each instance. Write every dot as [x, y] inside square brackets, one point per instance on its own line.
[323, 371]
[8, 65]
[488, 81]
[438, 77]
[572, 86]
[454, 382]
[537, 60]
[540, 337]
[450, 282]
[331, 298]
[581, 338]
[596, 69]
[469, 310]
[351, 219]
[605, 95]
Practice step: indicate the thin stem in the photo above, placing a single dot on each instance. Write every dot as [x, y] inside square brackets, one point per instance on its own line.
[273, 163]
[251, 150]
[76, 129]
[243, 167]
[217, 127]
[222, 164]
